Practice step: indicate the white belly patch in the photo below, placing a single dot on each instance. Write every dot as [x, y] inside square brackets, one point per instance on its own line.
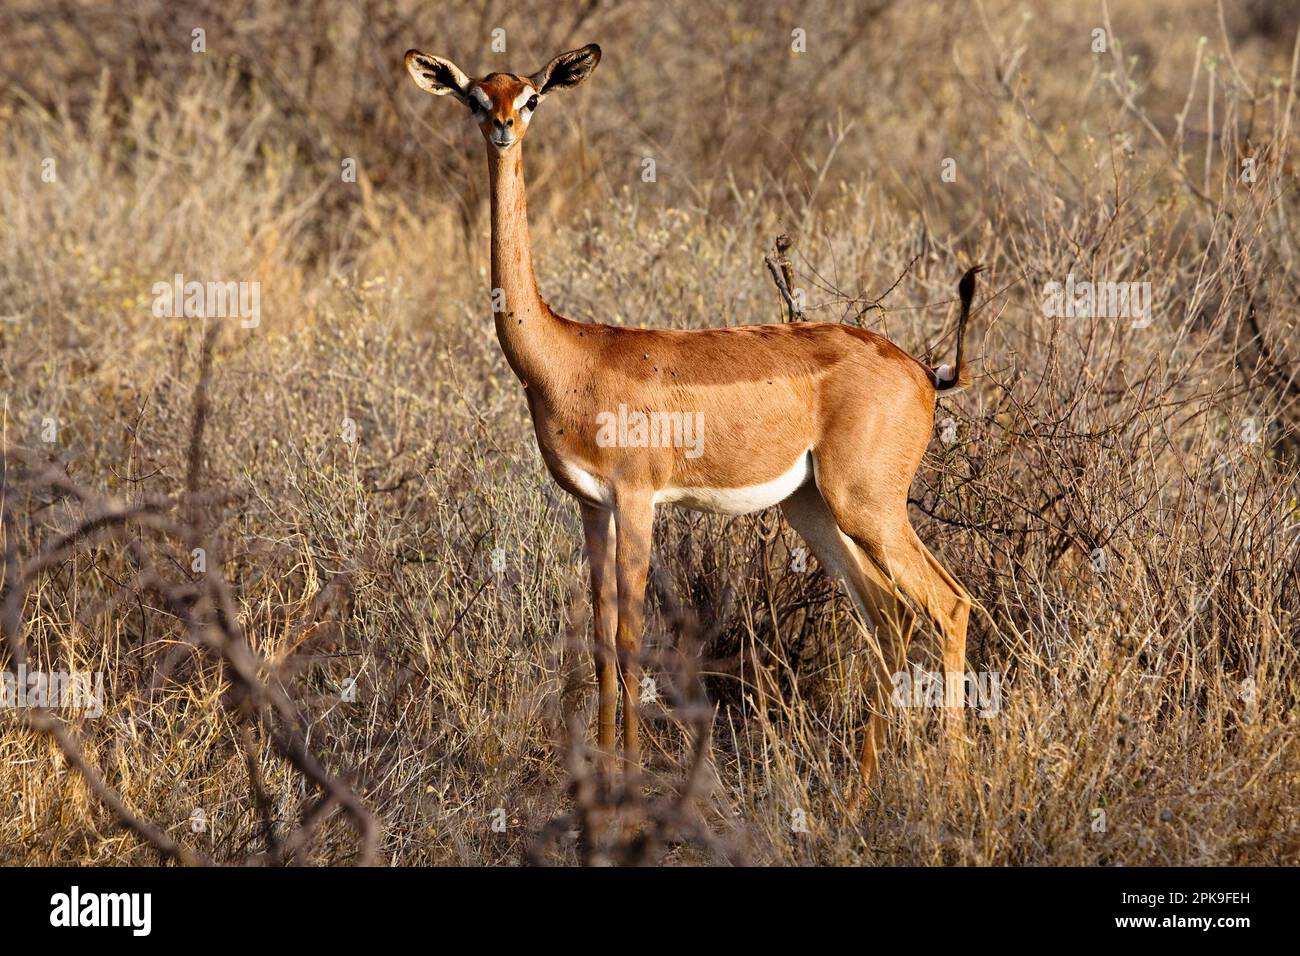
[589, 487]
[728, 501]
[740, 501]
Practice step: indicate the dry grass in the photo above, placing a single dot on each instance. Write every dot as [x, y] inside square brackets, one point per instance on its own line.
[1169, 450]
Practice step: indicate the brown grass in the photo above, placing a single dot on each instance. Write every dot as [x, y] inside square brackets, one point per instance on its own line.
[1170, 451]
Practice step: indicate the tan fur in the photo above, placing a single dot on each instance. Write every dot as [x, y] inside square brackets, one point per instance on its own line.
[769, 394]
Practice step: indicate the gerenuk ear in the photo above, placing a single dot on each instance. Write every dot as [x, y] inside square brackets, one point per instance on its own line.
[435, 75]
[566, 70]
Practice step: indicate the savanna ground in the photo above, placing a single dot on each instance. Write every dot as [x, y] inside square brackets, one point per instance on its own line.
[387, 641]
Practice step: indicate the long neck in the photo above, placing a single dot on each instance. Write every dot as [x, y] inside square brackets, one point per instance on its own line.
[529, 332]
